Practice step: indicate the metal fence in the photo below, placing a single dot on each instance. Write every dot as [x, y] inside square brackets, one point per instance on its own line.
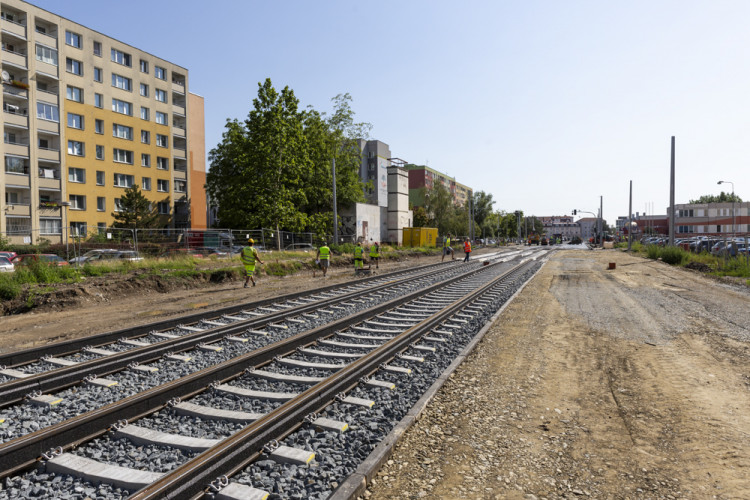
[76, 239]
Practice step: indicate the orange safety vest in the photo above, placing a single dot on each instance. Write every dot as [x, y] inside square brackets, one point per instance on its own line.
[467, 246]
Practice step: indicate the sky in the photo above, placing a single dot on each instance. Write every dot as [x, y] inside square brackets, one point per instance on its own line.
[548, 105]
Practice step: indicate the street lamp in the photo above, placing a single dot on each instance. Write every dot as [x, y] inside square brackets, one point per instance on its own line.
[732, 183]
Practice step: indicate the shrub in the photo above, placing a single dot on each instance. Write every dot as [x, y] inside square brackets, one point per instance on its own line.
[673, 255]
[652, 252]
[9, 287]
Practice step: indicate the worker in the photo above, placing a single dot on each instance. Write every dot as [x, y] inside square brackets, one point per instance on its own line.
[375, 254]
[248, 256]
[467, 250]
[323, 257]
[447, 248]
[359, 254]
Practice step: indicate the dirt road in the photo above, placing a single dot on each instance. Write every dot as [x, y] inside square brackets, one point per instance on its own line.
[625, 383]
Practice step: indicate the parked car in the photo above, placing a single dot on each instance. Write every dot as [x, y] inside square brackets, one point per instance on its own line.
[208, 251]
[8, 255]
[306, 247]
[181, 252]
[94, 255]
[130, 255]
[6, 266]
[45, 258]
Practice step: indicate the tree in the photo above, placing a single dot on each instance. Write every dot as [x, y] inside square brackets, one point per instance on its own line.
[420, 217]
[136, 211]
[482, 206]
[438, 203]
[720, 198]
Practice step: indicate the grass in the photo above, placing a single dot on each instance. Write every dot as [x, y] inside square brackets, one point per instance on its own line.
[718, 265]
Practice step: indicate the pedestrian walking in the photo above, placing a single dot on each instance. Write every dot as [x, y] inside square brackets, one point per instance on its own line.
[447, 248]
[249, 256]
[323, 258]
[467, 250]
[359, 254]
[375, 254]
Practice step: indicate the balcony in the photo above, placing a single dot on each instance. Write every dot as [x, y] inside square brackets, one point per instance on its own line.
[20, 209]
[15, 58]
[13, 177]
[10, 25]
[48, 154]
[180, 174]
[46, 33]
[17, 118]
[46, 69]
[15, 92]
[179, 154]
[178, 83]
[180, 110]
[48, 97]
[178, 131]
[17, 148]
[48, 126]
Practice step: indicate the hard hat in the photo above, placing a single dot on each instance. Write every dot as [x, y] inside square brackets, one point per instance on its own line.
[250, 240]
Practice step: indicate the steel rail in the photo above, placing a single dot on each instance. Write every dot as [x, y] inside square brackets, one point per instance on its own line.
[22, 452]
[237, 451]
[13, 391]
[71, 346]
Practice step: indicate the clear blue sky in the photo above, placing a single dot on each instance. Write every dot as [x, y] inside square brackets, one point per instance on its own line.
[545, 104]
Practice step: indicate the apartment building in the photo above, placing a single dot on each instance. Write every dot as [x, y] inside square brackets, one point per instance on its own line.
[560, 226]
[422, 179]
[86, 116]
[711, 219]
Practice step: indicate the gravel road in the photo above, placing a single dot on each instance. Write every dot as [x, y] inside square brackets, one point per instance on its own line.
[624, 383]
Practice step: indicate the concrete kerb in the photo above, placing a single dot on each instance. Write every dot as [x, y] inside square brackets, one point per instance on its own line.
[356, 484]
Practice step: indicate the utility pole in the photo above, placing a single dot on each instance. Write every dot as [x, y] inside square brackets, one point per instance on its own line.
[671, 198]
[630, 219]
[335, 213]
[601, 220]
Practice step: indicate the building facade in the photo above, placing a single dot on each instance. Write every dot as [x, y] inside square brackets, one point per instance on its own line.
[560, 226]
[86, 116]
[422, 179]
[711, 219]
[374, 171]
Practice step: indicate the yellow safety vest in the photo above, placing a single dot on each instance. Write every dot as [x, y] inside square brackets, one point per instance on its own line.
[358, 251]
[324, 252]
[375, 251]
[447, 243]
[248, 255]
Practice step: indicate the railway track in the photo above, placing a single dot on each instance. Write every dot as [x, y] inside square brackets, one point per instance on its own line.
[260, 397]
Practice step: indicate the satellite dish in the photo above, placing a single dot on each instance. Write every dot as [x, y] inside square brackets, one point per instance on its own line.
[6, 76]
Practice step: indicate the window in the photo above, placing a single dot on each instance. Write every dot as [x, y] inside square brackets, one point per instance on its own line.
[98, 49]
[160, 95]
[162, 163]
[99, 177]
[161, 118]
[98, 100]
[121, 57]
[162, 141]
[160, 73]
[76, 175]
[123, 180]
[144, 90]
[99, 152]
[73, 39]
[163, 207]
[122, 82]
[122, 107]
[78, 228]
[145, 160]
[118, 205]
[98, 75]
[46, 111]
[43, 143]
[76, 148]
[180, 186]
[101, 227]
[46, 54]
[145, 137]
[100, 204]
[99, 126]
[144, 113]
[122, 156]
[75, 94]
[73, 66]
[146, 183]
[144, 66]
[122, 131]
[50, 226]
[162, 185]
[75, 121]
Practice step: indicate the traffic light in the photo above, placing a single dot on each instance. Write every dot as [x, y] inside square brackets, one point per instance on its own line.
[575, 212]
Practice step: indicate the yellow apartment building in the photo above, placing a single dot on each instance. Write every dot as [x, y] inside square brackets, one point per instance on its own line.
[86, 116]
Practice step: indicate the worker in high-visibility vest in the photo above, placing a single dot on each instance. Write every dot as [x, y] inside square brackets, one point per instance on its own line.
[248, 256]
[467, 250]
[447, 248]
[323, 258]
[359, 255]
[375, 254]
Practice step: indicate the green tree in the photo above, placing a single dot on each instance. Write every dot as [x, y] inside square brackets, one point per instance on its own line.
[420, 217]
[482, 207]
[438, 203]
[720, 198]
[136, 211]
